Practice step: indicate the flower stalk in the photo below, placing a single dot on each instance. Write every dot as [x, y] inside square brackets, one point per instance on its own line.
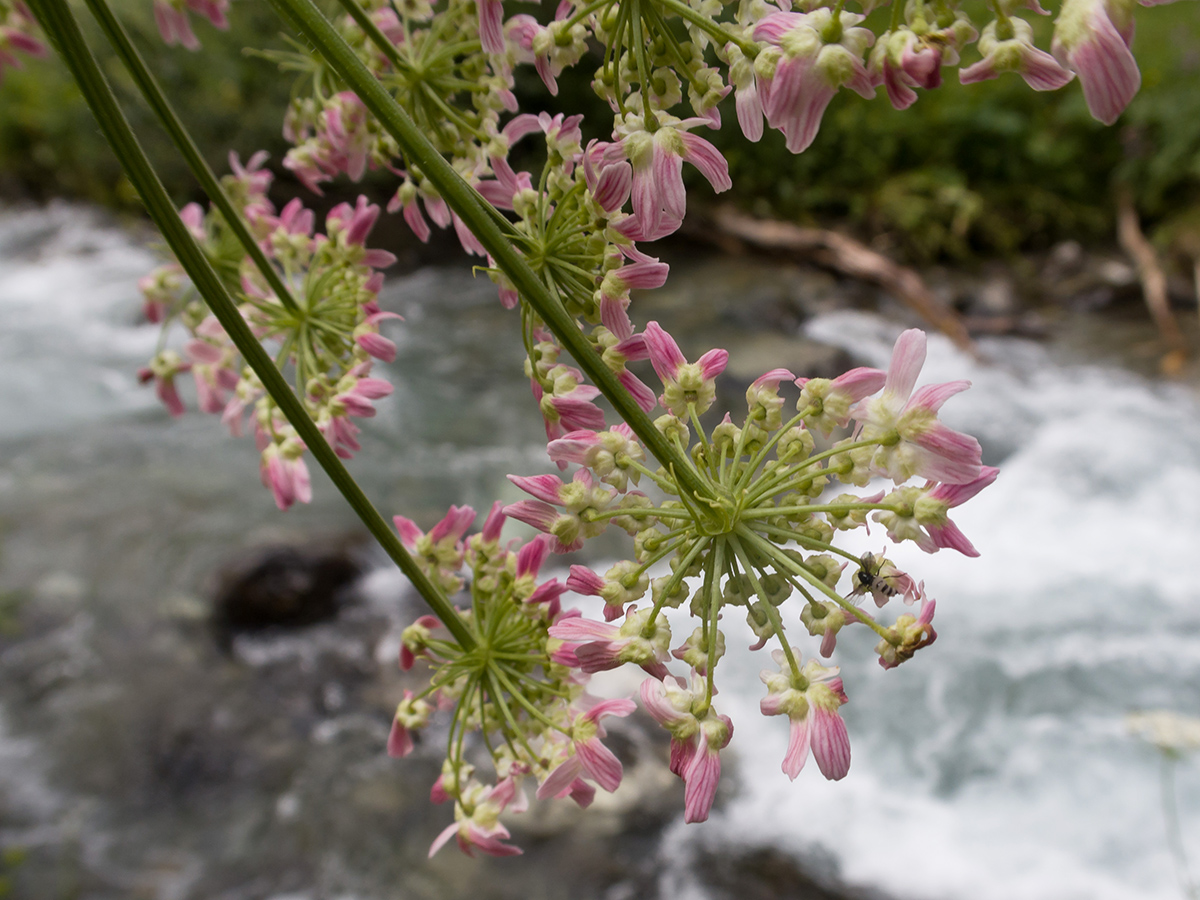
[63, 30]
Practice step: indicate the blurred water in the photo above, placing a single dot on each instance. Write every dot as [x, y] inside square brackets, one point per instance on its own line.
[996, 765]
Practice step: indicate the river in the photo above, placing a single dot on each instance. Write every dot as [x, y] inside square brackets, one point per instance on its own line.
[996, 765]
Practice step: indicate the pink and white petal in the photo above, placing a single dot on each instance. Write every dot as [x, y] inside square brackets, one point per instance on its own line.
[944, 454]
[443, 836]
[949, 536]
[531, 557]
[600, 763]
[582, 793]
[749, 112]
[1106, 68]
[583, 580]
[400, 741]
[641, 393]
[901, 95]
[705, 157]
[409, 532]
[544, 487]
[561, 778]
[533, 512]
[577, 629]
[1042, 72]
[713, 363]
[454, 524]
[984, 70]
[908, 356]
[797, 750]
[665, 354]
[700, 777]
[617, 706]
[933, 396]
[830, 743]
[491, 32]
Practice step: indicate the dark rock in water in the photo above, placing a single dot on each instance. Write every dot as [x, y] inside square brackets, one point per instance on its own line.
[283, 586]
[765, 873]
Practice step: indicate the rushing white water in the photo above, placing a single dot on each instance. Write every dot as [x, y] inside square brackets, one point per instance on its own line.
[996, 764]
[68, 331]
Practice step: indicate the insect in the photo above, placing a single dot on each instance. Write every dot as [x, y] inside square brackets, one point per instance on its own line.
[868, 579]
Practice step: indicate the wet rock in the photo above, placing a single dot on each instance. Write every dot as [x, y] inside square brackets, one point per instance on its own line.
[765, 873]
[283, 586]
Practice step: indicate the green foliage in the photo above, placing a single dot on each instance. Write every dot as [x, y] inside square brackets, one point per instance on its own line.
[50, 145]
[992, 167]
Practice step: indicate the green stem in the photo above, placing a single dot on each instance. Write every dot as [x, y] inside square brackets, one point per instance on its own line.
[778, 558]
[480, 218]
[154, 96]
[768, 606]
[839, 508]
[60, 26]
[749, 48]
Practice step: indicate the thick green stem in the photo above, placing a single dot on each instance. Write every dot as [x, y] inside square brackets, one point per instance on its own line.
[480, 218]
[154, 96]
[60, 26]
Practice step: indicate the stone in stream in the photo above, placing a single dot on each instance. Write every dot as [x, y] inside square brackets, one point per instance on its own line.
[284, 586]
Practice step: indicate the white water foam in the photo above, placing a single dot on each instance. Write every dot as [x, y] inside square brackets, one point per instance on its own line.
[70, 341]
[996, 764]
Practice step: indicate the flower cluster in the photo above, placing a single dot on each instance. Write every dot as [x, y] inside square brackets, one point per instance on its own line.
[329, 333]
[578, 222]
[764, 529]
[452, 66]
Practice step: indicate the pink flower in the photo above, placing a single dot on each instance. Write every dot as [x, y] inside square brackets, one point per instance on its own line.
[585, 754]
[621, 585]
[763, 400]
[931, 511]
[659, 198]
[904, 59]
[212, 357]
[580, 499]
[907, 636]
[1015, 54]
[912, 440]
[600, 646]
[609, 454]
[818, 55]
[698, 734]
[529, 562]
[405, 200]
[347, 134]
[477, 820]
[367, 336]
[1092, 38]
[440, 550]
[811, 703]
[173, 25]
[491, 31]
[566, 405]
[284, 472]
[163, 369]
[411, 714]
[829, 402]
[609, 179]
[684, 384]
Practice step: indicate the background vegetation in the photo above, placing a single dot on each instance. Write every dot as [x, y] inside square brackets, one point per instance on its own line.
[990, 168]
